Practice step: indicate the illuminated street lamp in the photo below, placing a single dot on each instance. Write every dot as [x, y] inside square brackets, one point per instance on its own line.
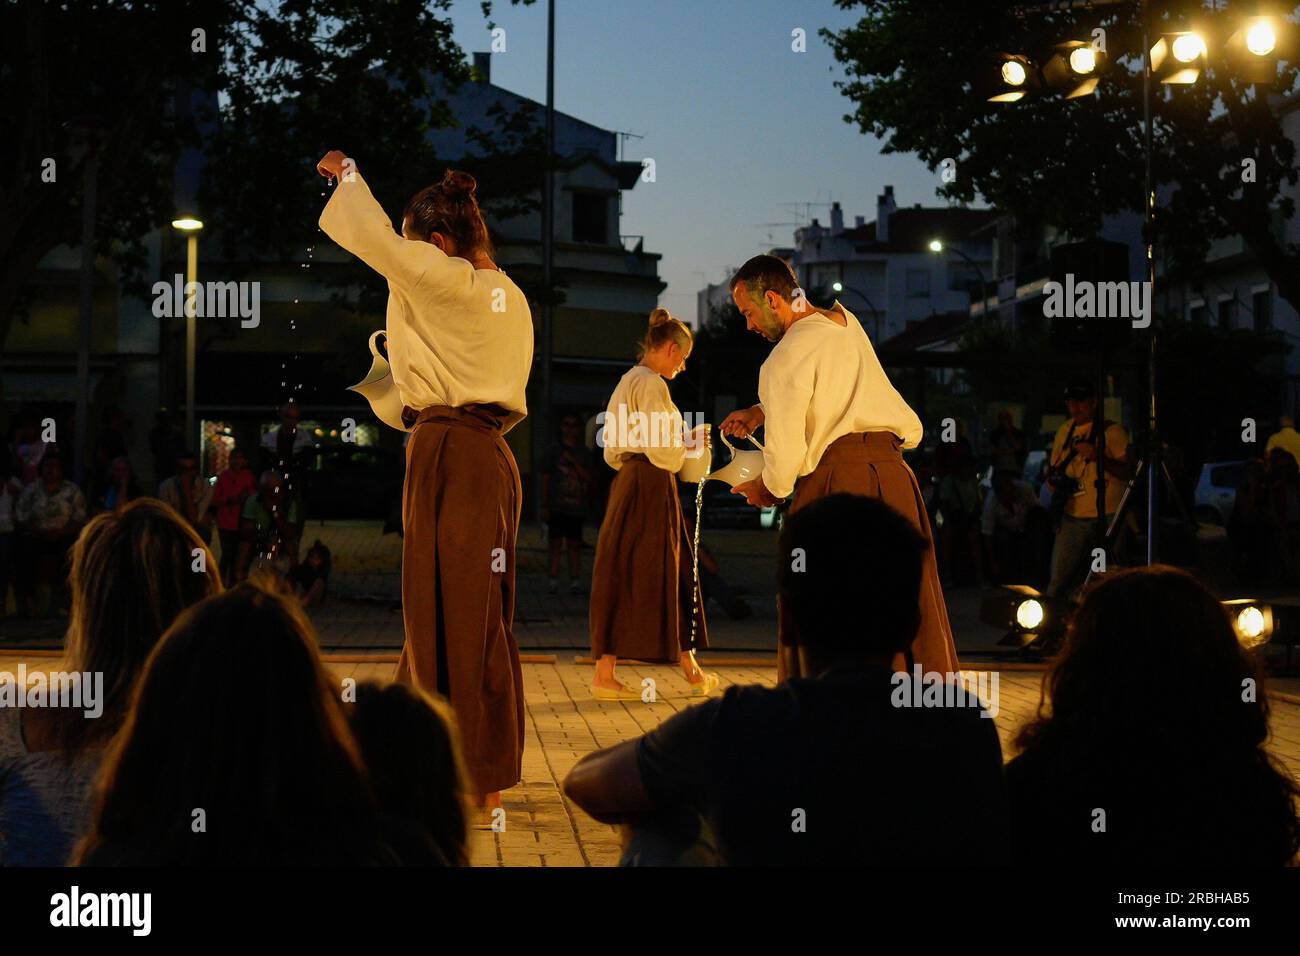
[190, 226]
[937, 247]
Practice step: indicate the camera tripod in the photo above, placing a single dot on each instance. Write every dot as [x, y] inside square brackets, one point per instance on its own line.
[1126, 501]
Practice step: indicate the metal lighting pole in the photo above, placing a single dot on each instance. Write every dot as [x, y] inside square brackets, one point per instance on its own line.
[81, 436]
[937, 247]
[1154, 466]
[191, 332]
[191, 226]
[875, 313]
[542, 434]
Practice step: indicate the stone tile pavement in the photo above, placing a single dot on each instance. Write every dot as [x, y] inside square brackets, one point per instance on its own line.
[564, 723]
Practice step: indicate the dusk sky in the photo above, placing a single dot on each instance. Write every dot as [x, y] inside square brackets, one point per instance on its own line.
[744, 132]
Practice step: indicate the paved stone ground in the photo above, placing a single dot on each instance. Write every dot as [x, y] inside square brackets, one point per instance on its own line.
[564, 722]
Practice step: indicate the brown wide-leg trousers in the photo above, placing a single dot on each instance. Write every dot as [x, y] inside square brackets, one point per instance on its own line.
[642, 579]
[460, 507]
[871, 464]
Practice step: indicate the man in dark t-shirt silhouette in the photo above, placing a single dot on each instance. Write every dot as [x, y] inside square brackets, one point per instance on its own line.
[853, 766]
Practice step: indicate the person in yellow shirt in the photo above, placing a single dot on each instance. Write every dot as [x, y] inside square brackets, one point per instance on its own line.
[1286, 438]
[1072, 476]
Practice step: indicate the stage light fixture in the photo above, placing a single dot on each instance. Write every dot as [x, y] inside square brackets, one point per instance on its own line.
[1178, 57]
[1020, 610]
[1008, 78]
[1074, 68]
[1252, 620]
[1253, 50]
[1030, 614]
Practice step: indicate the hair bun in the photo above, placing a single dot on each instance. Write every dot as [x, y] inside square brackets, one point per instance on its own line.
[660, 317]
[459, 183]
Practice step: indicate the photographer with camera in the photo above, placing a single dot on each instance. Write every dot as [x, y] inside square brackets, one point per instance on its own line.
[1072, 476]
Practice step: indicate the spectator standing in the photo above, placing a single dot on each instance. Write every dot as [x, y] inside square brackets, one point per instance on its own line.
[1284, 500]
[1286, 438]
[959, 505]
[1072, 476]
[566, 490]
[234, 487]
[50, 514]
[284, 449]
[268, 529]
[1007, 444]
[121, 487]
[110, 445]
[1253, 531]
[190, 494]
[29, 448]
[1008, 527]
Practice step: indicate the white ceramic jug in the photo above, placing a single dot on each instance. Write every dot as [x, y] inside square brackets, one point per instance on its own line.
[743, 466]
[380, 390]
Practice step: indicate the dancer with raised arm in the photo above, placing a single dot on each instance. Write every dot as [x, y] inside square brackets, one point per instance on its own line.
[642, 582]
[460, 341]
[832, 422]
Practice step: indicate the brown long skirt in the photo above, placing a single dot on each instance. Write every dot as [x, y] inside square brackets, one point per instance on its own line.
[642, 580]
[460, 507]
[871, 464]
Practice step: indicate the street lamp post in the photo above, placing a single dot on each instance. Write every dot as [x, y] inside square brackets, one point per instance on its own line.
[875, 313]
[937, 246]
[191, 226]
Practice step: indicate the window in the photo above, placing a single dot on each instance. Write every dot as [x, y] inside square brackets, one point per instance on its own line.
[1226, 313]
[918, 282]
[1261, 308]
[590, 217]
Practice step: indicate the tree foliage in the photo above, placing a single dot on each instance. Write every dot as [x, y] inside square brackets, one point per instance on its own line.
[911, 69]
[253, 91]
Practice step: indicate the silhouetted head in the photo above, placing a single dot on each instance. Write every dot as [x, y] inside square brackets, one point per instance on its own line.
[1155, 706]
[132, 572]
[411, 748]
[237, 750]
[850, 580]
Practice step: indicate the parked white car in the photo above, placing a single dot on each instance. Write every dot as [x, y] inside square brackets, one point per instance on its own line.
[1216, 491]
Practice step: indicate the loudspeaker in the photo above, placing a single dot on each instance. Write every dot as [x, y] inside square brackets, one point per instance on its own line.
[1094, 261]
